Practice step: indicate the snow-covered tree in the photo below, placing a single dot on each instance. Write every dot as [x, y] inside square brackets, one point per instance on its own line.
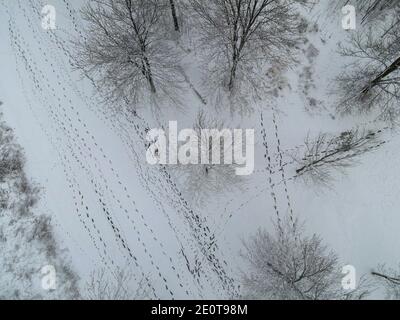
[288, 265]
[369, 10]
[239, 35]
[201, 182]
[371, 81]
[124, 49]
[327, 153]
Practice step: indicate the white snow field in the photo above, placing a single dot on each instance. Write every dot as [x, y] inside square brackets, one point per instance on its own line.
[111, 210]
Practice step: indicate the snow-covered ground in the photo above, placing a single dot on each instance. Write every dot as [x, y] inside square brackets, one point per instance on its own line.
[113, 210]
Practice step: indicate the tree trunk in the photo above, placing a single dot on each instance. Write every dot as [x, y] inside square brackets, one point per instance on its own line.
[233, 74]
[174, 16]
[235, 58]
[393, 67]
[388, 278]
[149, 74]
[322, 159]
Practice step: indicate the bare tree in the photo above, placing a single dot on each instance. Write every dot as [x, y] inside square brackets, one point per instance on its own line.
[389, 279]
[369, 10]
[202, 181]
[125, 50]
[287, 265]
[119, 286]
[372, 79]
[326, 153]
[240, 34]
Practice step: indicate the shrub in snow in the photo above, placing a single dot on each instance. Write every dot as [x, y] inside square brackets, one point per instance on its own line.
[119, 285]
